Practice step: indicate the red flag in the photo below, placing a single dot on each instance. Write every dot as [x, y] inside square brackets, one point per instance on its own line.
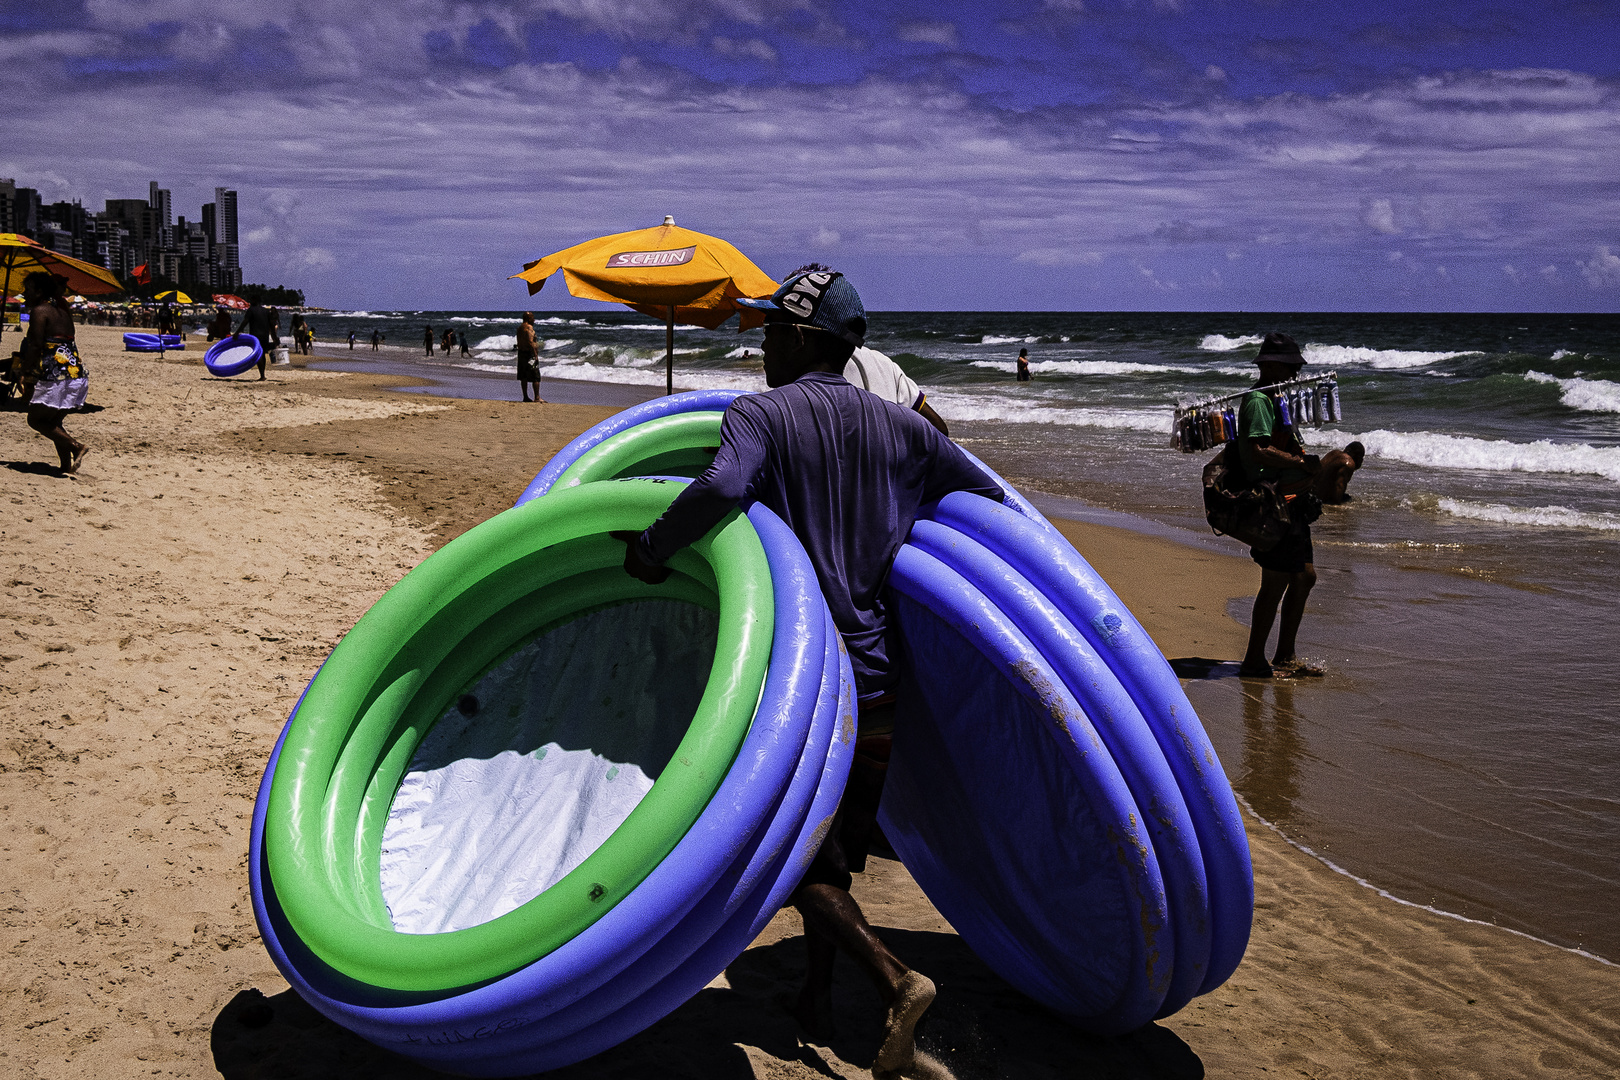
[141, 276]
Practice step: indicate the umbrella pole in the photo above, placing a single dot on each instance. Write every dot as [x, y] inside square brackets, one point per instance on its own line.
[5, 299]
[669, 353]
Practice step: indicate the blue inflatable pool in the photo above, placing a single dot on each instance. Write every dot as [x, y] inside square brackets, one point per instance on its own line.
[232, 355]
[137, 342]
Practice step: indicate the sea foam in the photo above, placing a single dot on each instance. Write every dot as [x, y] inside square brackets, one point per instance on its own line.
[1087, 367]
[1222, 343]
[1382, 359]
[1557, 517]
[956, 406]
[1491, 455]
[992, 339]
[1587, 395]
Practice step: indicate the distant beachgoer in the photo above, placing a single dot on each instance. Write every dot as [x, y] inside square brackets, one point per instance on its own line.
[427, 339]
[448, 342]
[221, 326]
[1337, 468]
[376, 340]
[1270, 450]
[528, 358]
[60, 380]
[351, 341]
[873, 371]
[265, 325]
[463, 338]
[1023, 365]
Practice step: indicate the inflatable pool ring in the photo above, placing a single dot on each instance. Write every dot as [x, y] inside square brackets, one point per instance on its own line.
[1059, 572]
[232, 355]
[1119, 724]
[1012, 845]
[616, 954]
[694, 401]
[173, 341]
[143, 343]
[391, 676]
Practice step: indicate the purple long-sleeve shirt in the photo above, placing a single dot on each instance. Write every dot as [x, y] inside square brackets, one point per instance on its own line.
[847, 471]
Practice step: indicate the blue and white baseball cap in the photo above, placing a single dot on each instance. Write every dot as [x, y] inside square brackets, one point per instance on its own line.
[820, 298]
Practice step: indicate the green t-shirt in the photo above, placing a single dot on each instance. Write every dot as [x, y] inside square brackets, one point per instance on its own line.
[1258, 419]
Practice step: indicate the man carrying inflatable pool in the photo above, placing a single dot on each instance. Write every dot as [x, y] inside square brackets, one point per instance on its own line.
[847, 471]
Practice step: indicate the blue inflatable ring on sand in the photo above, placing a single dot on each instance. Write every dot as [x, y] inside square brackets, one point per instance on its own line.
[663, 935]
[142, 343]
[232, 355]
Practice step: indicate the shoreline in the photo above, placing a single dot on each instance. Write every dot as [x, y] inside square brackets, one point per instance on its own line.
[162, 612]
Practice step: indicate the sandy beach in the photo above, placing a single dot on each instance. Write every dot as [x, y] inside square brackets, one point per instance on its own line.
[162, 611]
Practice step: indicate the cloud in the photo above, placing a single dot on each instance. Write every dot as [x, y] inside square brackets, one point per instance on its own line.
[1380, 215]
[313, 258]
[928, 32]
[751, 49]
[1059, 257]
[824, 238]
[443, 175]
[1513, 273]
[1602, 270]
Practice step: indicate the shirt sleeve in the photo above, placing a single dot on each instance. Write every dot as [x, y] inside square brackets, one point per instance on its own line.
[950, 470]
[711, 496]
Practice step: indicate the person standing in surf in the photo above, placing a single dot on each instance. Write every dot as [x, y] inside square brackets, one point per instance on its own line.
[1023, 365]
[528, 358]
[1270, 450]
[846, 470]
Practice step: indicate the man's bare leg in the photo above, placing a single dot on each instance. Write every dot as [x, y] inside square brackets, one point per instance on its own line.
[1273, 583]
[1293, 610]
[833, 916]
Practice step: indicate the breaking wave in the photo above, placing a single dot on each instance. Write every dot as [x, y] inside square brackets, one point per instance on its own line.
[1587, 395]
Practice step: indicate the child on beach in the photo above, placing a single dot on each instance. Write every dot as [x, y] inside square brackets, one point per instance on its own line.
[60, 378]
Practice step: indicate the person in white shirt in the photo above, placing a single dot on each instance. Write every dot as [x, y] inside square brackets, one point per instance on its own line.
[874, 372]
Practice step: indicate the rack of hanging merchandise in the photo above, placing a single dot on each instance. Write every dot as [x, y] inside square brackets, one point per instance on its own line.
[1207, 424]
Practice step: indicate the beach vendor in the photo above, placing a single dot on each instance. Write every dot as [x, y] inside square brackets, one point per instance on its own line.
[1270, 450]
[846, 470]
[264, 324]
[528, 358]
[51, 357]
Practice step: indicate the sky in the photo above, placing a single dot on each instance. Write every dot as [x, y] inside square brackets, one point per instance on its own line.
[1194, 155]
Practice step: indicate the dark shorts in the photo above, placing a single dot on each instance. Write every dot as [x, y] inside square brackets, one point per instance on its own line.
[843, 853]
[528, 368]
[1289, 556]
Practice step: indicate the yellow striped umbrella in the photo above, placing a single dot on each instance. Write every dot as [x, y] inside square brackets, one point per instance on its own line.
[667, 272]
[20, 256]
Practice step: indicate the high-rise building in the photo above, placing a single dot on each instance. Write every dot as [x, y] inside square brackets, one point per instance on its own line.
[8, 200]
[162, 206]
[227, 253]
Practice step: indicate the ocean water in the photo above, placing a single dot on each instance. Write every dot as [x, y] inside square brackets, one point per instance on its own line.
[1464, 749]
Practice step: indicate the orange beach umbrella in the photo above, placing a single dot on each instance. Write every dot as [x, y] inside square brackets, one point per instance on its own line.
[667, 272]
[20, 256]
[231, 300]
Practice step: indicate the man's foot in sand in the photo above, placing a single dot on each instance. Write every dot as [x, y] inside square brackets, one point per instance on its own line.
[916, 993]
[923, 1066]
[78, 458]
[1295, 668]
[1254, 669]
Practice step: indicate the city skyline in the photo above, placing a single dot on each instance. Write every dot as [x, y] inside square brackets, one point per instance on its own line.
[134, 236]
[1038, 154]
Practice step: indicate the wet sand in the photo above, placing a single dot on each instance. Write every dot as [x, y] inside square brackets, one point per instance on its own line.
[160, 614]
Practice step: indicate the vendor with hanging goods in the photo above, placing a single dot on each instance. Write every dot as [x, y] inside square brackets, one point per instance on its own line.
[1270, 450]
[846, 470]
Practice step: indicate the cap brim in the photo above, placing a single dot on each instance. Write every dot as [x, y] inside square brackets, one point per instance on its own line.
[763, 303]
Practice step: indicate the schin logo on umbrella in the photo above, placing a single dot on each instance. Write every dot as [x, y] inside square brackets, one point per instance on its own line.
[677, 257]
